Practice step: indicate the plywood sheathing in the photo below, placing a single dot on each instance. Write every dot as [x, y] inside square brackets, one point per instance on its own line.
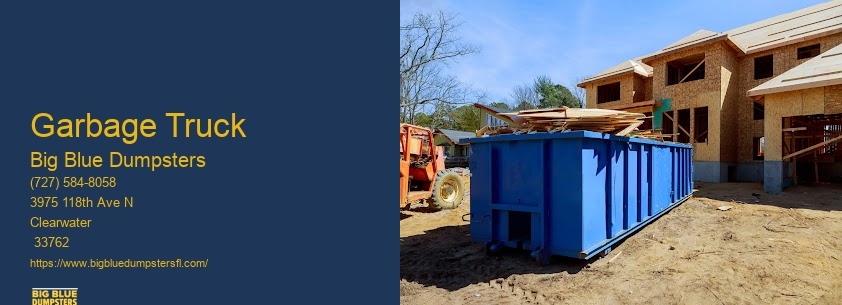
[804, 24]
[734, 73]
[787, 104]
[699, 93]
[626, 90]
[833, 99]
[730, 96]
[819, 71]
[638, 87]
[784, 58]
[628, 66]
[709, 151]
[647, 88]
[694, 40]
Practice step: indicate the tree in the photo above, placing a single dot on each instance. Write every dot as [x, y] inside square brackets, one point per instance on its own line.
[501, 105]
[428, 43]
[525, 95]
[543, 93]
[465, 118]
[423, 119]
[524, 106]
[554, 95]
[579, 92]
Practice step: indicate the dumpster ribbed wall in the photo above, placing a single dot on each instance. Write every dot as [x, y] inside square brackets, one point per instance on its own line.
[574, 193]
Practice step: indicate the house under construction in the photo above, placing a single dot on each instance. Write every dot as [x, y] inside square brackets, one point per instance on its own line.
[762, 102]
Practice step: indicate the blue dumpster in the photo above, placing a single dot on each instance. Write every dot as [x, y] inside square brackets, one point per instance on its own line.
[571, 194]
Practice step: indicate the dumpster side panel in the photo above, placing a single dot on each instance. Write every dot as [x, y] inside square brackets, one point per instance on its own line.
[574, 194]
[687, 166]
[645, 183]
[481, 173]
[595, 173]
[565, 195]
[616, 184]
[617, 179]
[518, 177]
[662, 171]
[518, 191]
[630, 189]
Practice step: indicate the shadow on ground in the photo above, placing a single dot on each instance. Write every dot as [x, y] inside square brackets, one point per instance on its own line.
[447, 258]
[407, 213]
[423, 209]
[814, 196]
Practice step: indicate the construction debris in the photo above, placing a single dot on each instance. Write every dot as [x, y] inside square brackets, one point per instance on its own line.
[552, 120]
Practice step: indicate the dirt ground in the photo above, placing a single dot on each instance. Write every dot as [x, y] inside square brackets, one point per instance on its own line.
[767, 249]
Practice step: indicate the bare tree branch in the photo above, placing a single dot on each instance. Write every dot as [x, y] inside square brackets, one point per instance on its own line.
[525, 94]
[428, 43]
[578, 92]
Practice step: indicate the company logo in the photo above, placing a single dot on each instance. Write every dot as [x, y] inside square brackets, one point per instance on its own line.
[54, 296]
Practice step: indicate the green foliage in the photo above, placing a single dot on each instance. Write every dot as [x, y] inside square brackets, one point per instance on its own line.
[465, 118]
[501, 105]
[423, 119]
[554, 95]
[524, 105]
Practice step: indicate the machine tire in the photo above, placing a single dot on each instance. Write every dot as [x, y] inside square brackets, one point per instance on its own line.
[449, 190]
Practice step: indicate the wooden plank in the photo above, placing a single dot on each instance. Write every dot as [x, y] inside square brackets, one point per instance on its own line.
[794, 129]
[542, 110]
[682, 128]
[629, 105]
[697, 138]
[808, 149]
[691, 71]
[629, 129]
[676, 124]
[579, 113]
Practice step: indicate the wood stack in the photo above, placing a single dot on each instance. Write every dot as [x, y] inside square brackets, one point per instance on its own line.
[551, 120]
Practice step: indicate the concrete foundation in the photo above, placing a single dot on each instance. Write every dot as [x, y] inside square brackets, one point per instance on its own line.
[705, 171]
[773, 174]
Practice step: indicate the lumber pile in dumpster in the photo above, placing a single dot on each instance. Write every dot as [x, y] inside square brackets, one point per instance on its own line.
[551, 120]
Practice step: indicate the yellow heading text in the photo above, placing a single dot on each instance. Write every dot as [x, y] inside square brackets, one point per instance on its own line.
[129, 130]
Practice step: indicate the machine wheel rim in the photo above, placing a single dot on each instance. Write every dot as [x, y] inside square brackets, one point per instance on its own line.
[448, 190]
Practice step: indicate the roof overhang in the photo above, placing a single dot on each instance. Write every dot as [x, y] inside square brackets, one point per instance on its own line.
[625, 67]
[692, 44]
[779, 43]
[499, 115]
[822, 70]
[794, 87]
[604, 76]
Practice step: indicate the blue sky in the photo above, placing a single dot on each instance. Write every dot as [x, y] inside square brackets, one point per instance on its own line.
[567, 39]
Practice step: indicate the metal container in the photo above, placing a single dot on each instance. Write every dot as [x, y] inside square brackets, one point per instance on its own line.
[572, 194]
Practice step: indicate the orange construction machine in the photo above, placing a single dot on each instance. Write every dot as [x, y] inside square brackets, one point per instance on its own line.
[423, 175]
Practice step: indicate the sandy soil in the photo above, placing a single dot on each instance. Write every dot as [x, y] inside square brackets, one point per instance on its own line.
[767, 249]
